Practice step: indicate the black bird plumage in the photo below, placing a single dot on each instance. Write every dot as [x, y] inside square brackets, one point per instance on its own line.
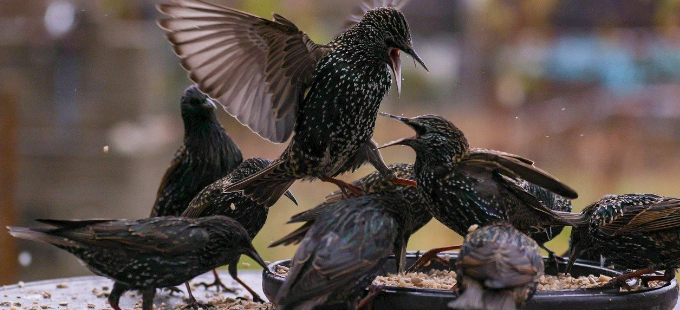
[274, 79]
[464, 187]
[149, 253]
[213, 200]
[342, 253]
[633, 231]
[206, 155]
[498, 268]
[411, 207]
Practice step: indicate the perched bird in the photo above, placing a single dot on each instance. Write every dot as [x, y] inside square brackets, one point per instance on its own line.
[412, 207]
[633, 231]
[342, 252]
[206, 155]
[498, 268]
[463, 187]
[149, 253]
[213, 200]
[274, 79]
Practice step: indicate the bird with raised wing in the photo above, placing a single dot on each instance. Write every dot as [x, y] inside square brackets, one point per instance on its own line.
[464, 187]
[274, 79]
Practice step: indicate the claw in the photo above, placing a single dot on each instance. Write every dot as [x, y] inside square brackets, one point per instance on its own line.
[344, 186]
[217, 283]
[432, 255]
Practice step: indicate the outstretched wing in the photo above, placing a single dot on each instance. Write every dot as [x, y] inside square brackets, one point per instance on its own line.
[256, 68]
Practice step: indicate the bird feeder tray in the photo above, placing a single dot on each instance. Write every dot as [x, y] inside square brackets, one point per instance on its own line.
[402, 298]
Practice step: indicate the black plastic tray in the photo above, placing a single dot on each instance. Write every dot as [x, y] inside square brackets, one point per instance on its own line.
[400, 298]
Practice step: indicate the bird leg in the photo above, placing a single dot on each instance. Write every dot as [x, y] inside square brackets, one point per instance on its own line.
[114, 296]
[405, 182]
[620, 281]
[553, 257]
[193, 303]
[373, 291]
[344, 186]
[432, 255]
[217, 283]
[147, 298]
[666, 277]
[234, 274]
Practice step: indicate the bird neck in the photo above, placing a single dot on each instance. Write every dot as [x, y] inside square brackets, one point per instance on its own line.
[199, 130]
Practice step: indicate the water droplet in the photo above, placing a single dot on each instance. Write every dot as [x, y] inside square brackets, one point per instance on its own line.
[25, 259]
[564, 109]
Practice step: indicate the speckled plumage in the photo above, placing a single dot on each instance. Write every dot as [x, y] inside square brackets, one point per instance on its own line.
[551, 201]
[206, 155]
[498, 268]
[327, 94]
[411, 207]
[464, 187]
[633, 231]
[342, 252]
[213, 200]
[149, 253]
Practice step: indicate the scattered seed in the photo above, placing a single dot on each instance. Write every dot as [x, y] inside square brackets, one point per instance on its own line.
[90, 305]
[21, 284]
[245, 265]
[62, 285]
[46, 295]
[63, 303]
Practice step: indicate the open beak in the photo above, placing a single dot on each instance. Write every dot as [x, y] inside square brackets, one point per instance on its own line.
[415, 56]
[290, 196]
[252, 253]
[395, 64]
[402, 141]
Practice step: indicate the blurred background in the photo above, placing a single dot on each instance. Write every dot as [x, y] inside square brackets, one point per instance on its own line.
[590, 90]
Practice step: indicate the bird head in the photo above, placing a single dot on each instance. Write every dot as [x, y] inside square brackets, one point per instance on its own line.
[579, 242]
[394, 36]
[194, 102]
[435, 137]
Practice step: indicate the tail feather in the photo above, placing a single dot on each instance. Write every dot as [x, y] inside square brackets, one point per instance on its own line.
[266, 186]
[476, 297]
[471, 297]
[294, 237]
[72, 224]
[40, 235]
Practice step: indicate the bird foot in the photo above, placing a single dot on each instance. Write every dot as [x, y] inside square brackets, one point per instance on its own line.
[622, 280]
[431, 255]
[345, 187]
[405, 182]
[194, 304]
[218, 284]
[367, 301]
[172, 290]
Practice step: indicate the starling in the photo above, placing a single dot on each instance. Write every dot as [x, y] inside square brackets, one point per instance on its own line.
[149, 253]
[498, 268]
[274, 79]
[633, 231]
[342, 252]
[464, 187]
[206, 155]
[251, 215]
[412, 208]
